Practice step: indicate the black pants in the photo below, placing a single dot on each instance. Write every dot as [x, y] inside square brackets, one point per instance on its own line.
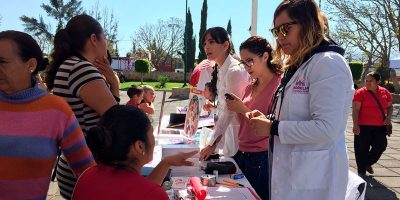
[369, 146]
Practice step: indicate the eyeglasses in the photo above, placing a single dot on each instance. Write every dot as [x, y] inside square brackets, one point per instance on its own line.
[247, 63]
[283, 29]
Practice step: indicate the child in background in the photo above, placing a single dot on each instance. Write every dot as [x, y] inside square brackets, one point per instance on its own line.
[135, 93]
[147, 104]
[209, 94]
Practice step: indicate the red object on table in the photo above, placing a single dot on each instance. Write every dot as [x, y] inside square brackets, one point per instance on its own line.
[198, 188]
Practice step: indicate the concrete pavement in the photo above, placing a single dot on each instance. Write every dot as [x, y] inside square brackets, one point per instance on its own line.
[383, 185]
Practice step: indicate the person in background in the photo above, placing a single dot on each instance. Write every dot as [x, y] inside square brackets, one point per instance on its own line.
[33, 123]
[122, 143]
[45, 64]
[228, 77]
[369, 124]
[80, 73]
[147, 104]
[209, 94]
[308, 156]
[252, 157]
[135, 94]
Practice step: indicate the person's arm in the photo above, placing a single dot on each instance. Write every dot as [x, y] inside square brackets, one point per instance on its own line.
[330, 94]
[236, 105]
[355, 113]
[87, 83]
[147, 108]
[74, 146]
[161, 170]
[236, 81]
[389, 113]
[97, 96]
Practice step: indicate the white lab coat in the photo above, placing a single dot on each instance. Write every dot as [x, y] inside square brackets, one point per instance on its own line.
[309, 158]
[232, 78]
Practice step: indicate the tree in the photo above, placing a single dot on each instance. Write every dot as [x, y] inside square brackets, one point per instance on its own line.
[109, 24]
[143, 67]
[190, 44]
[61, 12]
[203, 28]
[366, 26]
[229, 30]
[163, 40]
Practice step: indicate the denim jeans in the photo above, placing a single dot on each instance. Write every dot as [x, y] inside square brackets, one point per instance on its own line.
[254, 166]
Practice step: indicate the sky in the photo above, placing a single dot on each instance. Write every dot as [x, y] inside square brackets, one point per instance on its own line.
[132, 14]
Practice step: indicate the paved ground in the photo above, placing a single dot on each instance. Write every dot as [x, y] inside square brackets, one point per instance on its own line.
[383, 185]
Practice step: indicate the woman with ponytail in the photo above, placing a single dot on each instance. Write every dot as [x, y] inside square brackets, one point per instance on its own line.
[122, 143]
[78, 73]
[228, 77]
[252, 157]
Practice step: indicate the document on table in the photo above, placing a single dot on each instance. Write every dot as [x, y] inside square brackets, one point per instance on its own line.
[186, 171]
[231, 193]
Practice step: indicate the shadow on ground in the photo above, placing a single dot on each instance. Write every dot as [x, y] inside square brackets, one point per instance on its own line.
[377, 191]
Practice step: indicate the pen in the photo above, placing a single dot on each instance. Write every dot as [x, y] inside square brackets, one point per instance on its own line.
[232, 182]
[176, 125]
[228, 184]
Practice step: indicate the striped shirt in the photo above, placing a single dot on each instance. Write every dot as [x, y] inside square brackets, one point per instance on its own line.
[71, 76]
[74, 73]
[33, 125]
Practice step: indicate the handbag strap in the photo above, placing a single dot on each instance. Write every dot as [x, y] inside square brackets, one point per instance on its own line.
[379, 104]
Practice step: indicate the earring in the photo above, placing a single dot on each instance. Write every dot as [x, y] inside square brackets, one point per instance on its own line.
[31, 70]
[143, 153]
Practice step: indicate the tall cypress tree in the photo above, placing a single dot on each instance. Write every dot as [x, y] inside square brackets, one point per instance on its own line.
[229, 30]
[203, 27]
[190, 43]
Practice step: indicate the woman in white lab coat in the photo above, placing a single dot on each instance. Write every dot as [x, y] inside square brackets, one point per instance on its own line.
[310, 109]
[228, 77]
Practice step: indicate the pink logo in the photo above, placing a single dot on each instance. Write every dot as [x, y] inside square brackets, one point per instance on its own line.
[300, 87]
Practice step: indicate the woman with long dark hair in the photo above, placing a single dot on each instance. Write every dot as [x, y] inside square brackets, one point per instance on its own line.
[122, 143]
[228, 77]
[80, 74]
[252, 158]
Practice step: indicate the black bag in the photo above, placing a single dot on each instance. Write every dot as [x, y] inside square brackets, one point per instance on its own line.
[225, 167]
[389, 126]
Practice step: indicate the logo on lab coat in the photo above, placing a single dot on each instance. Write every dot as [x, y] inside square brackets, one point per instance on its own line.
[300, 87]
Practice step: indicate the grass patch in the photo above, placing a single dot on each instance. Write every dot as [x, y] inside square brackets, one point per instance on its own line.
[169, 85]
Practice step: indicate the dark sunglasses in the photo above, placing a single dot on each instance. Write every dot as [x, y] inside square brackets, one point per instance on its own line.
[283, 29]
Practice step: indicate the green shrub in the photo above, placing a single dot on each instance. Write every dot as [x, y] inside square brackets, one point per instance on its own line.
[356, 69]
[162, 81]
[142, 66]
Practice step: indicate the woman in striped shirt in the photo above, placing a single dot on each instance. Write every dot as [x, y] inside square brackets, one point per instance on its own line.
[78, 73]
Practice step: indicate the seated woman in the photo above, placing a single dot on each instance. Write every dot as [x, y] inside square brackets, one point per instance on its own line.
[135, 94]
[147, 104]
[122, 143]
[33, 123]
